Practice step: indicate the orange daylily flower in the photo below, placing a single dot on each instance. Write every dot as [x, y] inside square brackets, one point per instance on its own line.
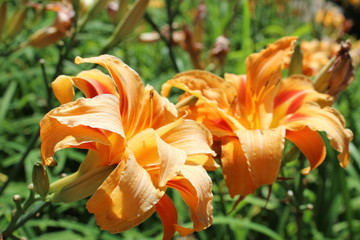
[138, 147]
[252, 115]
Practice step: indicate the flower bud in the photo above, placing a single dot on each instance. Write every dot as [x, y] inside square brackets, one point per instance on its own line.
[127, 24]
[337, 74]
[295, 66]
[16, 22]
[40, 180]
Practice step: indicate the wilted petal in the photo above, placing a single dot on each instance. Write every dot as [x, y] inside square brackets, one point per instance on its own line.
[311, 144]
[263, 150]
[235, 168]
[77, 123]
[337, 74]
[168, 215]
[325, 119]
[195, 188]
[129, 197]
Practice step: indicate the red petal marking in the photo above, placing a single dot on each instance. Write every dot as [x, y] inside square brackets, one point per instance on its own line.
[296, 103]
[95, 88]
[221, 123]
[296, 117]
[295, 96]
[284, 96]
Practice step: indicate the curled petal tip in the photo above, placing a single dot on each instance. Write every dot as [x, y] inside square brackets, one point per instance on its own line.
[79, 60]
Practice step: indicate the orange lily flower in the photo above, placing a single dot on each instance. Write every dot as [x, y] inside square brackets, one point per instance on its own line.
[252, 115]
[138, 147]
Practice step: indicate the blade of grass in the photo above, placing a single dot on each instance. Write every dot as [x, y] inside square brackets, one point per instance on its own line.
[6, 100]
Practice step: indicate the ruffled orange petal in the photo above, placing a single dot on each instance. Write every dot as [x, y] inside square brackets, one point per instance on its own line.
[194, 139]
[235, 168]
[263, 72]
[293, 93]
[150, 149]
[325, 119]
[202, 85]
[263, 69]
[94, 82]
[63, 89]
[263, 150]
[239, 81]
[311, 144]
[77, 124]
[128, 82]
[168, 215]
[190, 136]
[164, 112]
[125, 199]
[195, 188]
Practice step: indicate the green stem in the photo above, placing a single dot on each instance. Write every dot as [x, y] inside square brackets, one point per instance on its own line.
[15, 170]
[166, 41]
[346, 198]
[21, 220]
[299, 198]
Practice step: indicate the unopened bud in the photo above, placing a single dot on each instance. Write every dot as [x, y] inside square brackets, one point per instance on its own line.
[16, 198]
[45, 37]
[335, 76]
[40, 180]
[128, 23]
[17, 22]
[296, 61]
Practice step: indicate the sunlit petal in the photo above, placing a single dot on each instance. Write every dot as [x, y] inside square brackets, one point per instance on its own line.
[63, 89]
[325, 119]
[203, 85]
[190, 136]
[129, 197]
[294, 92]
[128, 82]
[94, 82]
[168, 215]
[314, 152]
[235, 168]
[195, 188]
[151, 149]
[263, 68]
[61, 129]
[263, 150]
